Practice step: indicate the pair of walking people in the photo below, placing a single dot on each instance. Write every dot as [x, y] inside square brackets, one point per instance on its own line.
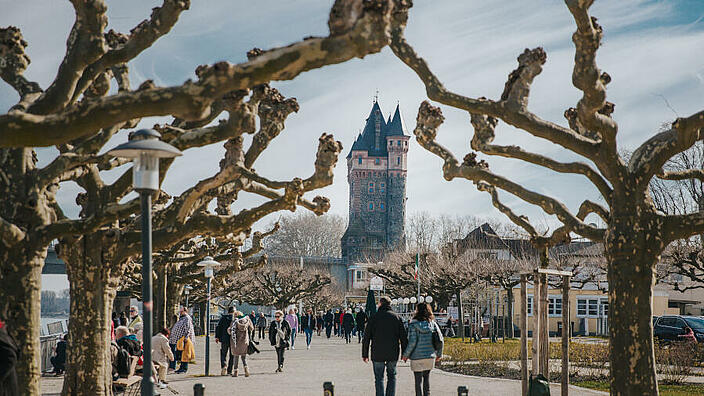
[234, 333]
[388, 337]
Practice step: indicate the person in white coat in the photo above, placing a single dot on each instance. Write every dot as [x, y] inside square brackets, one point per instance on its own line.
[162, 355]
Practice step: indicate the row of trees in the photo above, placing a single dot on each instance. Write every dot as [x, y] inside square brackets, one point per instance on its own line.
[92, 100]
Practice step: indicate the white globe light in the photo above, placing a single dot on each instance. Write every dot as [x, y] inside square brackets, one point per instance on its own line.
[421, 299]
[413, 300]
[429, 299]
[406, 300]
[394, 302]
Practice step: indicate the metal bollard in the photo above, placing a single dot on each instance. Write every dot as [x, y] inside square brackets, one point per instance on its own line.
[198, 390]
[328, 388]
[462, 391]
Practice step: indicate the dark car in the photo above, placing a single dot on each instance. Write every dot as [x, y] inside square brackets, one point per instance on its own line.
[671, 327]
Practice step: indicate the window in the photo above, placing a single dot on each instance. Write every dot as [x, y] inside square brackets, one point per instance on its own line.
[382, 187]
[399, 143]
[604, 307]
[371, 187]
[359, 160]
[377, 161]
[593, 307]
[371, 206]
[381, 206]
[555, 306]
[581, 307]
[529, 305]
[398, 160]
[360, 275]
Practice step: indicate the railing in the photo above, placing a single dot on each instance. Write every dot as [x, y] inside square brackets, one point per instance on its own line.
[47, 345]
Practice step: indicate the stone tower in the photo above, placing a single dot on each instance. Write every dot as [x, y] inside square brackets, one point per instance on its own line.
[376, 173]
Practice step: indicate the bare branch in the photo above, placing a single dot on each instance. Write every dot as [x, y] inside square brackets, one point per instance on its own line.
[10, 234]
[357, 33]
[14, 61]
[85, 45]
[141, 37]
[682, 175]
[429, 120]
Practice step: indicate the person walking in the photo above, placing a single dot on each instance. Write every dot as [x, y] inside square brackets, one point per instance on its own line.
[253, 317]
[319, 322]
[240, 334]
[222, 336]
[387, 335]
[348, 325]
[340, 319]
[336, 322]
[162, 355]
[279, 334]
[59, 360]
[308, 322]
[292, 320]
[9, 353]
[329, 318]
[261, 324]
[425, 344]
[183, 328]
[361, 321]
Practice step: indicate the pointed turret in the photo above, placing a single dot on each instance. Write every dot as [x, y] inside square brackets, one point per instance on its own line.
[396, 126]
[368, 141]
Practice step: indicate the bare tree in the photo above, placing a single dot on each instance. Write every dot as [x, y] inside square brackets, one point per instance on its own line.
[78, 113]
[328, 297]
[277, 285]
[305, 234]
[635, 234]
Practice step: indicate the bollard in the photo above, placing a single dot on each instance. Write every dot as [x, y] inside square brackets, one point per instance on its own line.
[328, 388]
[462, 391]
[198, 390]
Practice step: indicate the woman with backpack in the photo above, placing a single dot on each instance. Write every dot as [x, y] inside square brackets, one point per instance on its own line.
[240, 333]
[425, 344]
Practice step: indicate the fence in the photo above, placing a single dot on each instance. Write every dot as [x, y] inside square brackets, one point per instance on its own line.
[47, 343]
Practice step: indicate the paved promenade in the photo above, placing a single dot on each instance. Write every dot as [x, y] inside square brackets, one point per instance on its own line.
[306, 370]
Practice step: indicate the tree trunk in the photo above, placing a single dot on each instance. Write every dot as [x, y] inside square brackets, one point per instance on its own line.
[509, 308]
[20, 296]
[160, 300]
[632, 253]
[93, 289]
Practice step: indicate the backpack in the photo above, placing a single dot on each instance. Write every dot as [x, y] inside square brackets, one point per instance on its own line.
[538, 386]
[122, 362]
[437, 343]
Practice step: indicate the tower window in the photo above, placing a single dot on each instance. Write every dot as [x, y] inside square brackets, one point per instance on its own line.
[399, 142]
[398, 160]
[371, 187]
[377, 161]
[371, 206]
[381, 206]
[381, 187]
[359, 160]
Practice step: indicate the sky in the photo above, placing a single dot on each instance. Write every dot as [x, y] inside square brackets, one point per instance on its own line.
[651, 48]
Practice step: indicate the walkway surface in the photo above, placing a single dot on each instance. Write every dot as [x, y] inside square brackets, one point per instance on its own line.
[306, 370]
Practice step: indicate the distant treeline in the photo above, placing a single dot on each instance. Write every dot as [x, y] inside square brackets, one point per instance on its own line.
[54, 303]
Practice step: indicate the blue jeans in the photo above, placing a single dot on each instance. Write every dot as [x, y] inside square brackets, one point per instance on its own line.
[293, 336]
[309, 335]
[379, 378]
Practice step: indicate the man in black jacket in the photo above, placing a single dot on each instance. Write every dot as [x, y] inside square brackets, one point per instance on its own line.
[388, 337]
[223, 338]
[329, 317]
[361, 320]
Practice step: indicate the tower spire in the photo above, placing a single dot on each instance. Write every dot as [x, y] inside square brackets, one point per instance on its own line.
[376, 96]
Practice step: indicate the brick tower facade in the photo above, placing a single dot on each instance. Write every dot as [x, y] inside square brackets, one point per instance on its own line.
[376, 173]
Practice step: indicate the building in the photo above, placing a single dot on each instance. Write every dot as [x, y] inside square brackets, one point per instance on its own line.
[376, 174]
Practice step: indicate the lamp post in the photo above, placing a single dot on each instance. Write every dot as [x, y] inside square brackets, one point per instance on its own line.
[187, 290]
[145, 149]
[209, 264]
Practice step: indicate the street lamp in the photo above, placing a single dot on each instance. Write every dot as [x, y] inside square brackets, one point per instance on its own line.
[421, 299]
[209, 264]
[187, 290]
[145, 149]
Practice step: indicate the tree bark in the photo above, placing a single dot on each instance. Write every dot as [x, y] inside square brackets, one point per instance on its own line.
[20, 297]
[632, 248]
[93, 289]
[160, 300]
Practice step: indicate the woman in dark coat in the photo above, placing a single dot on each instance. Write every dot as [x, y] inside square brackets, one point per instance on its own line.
[348, 325]
[8, 361]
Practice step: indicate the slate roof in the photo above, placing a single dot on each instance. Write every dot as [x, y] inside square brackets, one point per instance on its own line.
[391, 127]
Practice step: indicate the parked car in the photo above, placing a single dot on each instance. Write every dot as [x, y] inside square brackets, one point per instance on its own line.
[671, 327]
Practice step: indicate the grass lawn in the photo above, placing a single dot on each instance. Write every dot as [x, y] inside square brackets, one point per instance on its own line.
[665, 390]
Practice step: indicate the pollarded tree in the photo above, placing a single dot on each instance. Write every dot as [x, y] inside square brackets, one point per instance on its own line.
[79, 112]
[277, 285]
[330, 296]
[636, 233]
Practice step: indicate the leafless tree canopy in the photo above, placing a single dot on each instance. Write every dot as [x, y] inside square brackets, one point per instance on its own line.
[635, 234]
[305, 234]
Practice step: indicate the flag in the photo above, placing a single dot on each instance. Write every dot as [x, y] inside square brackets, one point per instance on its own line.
[415, 271]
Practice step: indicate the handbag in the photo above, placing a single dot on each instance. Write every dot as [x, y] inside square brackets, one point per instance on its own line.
[437, 343]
